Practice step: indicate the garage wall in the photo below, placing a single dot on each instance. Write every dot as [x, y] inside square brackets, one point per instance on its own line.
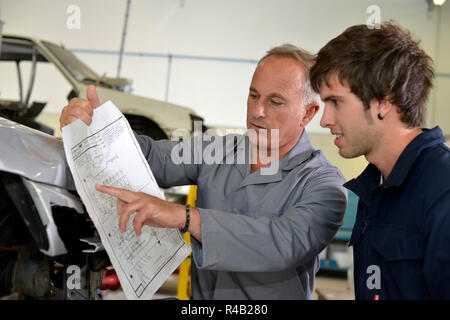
[242, 30]
[440, 111]
[214, 46]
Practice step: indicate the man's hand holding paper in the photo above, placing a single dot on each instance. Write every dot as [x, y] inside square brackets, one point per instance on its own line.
[102, 149]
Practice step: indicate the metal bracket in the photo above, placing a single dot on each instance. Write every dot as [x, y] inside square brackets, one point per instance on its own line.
[95, 242]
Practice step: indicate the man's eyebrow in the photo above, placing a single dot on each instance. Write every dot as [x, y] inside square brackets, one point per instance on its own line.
[331, 97]
[277, 95]
[273, 94]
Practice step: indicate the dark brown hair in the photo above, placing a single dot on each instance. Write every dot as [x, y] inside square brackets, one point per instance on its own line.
[379, 63]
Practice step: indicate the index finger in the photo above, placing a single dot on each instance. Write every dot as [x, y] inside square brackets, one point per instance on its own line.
[122, 194]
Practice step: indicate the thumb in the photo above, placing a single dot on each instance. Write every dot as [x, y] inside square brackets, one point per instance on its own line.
[91, 95]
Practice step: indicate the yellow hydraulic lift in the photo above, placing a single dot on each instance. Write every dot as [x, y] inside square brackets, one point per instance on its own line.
[184, 290]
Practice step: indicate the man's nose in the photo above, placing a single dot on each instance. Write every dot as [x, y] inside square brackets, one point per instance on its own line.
[259, 109]
[327, 119]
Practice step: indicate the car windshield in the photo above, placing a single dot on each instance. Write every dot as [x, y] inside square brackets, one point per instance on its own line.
[75, 66]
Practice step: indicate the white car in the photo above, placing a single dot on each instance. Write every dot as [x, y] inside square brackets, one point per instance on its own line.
[152, 117]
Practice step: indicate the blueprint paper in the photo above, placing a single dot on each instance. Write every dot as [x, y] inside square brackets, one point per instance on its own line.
[107, 152]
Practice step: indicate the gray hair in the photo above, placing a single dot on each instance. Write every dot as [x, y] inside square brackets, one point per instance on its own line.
[307, 59]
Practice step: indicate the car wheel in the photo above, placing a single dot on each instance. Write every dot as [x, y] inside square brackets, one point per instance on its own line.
[144, 126]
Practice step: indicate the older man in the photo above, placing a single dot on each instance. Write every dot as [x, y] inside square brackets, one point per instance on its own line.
[255, 234]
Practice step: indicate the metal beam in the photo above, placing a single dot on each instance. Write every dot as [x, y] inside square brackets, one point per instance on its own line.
[124, 34]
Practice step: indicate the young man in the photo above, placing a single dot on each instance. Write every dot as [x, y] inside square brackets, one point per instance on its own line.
[254, 235]
[375, 84]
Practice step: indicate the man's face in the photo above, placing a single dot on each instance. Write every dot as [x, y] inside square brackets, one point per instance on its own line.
[275, 100]
[347, 119]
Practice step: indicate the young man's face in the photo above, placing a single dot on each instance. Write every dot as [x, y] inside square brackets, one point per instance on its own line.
[275, 99]
[347, 119]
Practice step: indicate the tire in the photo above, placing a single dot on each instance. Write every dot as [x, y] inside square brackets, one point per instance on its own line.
[13, 230]
[147, 127]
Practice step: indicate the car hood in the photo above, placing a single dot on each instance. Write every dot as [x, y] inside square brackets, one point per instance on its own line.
[33, 154]
[167, 115]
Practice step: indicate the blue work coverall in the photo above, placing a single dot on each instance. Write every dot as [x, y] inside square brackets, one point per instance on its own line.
[401, 237]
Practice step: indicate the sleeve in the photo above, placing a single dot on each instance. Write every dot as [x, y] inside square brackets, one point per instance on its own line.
[437, 251]
[239, 243]
[171, 161]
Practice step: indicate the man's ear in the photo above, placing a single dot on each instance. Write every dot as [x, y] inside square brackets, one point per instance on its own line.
[383, 106]
[309, 113]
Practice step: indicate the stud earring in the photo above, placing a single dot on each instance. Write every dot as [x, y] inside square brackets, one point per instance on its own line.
[380, 116]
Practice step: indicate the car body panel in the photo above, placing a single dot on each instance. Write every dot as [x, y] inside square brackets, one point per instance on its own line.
[146, 107]
[34, 155]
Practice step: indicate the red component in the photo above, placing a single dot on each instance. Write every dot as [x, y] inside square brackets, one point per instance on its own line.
[110, 281]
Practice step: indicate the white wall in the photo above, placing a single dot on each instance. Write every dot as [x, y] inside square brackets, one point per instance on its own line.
[243, 29]
[440, 111]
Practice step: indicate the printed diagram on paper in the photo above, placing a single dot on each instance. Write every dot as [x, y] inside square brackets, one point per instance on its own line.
[107, 152]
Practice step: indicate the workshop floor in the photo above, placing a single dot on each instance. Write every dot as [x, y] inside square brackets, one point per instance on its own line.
[169, 288]
[333, 288]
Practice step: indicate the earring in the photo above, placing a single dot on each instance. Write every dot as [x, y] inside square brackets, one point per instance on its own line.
[380, 116]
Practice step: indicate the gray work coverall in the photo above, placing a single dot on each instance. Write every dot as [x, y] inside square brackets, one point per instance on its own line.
[261, 234]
